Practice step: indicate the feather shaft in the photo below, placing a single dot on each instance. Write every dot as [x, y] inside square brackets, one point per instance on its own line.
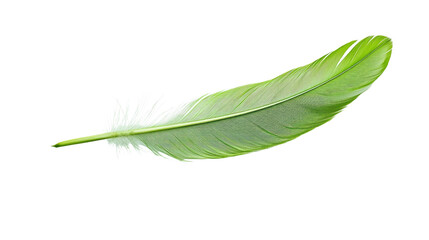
[261, 115]
[92, 138]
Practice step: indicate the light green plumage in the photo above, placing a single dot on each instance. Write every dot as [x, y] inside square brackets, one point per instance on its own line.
[262, 115]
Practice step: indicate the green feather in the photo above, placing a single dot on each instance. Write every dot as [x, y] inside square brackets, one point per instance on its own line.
[261, 115]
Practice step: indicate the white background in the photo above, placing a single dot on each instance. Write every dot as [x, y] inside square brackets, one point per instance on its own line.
[64, 65]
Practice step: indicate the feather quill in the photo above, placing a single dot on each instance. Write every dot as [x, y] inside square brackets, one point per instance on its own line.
[261, 115]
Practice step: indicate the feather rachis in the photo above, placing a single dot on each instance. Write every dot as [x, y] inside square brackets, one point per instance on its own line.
[258, 116]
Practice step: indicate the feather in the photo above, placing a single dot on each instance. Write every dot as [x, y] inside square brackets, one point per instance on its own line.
[261, 115]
